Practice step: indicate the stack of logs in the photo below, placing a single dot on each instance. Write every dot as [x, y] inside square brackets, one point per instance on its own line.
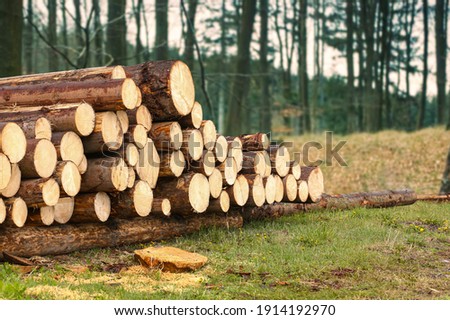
[98, 144]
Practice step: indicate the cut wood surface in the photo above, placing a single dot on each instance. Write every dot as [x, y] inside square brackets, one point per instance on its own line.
[136, 201]
[161, 206]
[69, 146]
[64, 210]
[5, 171]
[136, 134]
[221, 148]
[167, 88]
[131, 177]
[434, 197]
[239, 191]
[172, 164]
[167, 136]
[257, 194]
[2, 211]
[290, 188]
[192, 145]
[215, 183]
[229, 170]
[270, 186]
[13, 142]
[82, 167]
[39, 190]
[16, 213]
[14, 181]
[68, 177]
[102, 95]
[209, 134]
[314, 177]
[237, 154]
[105, 174]
[149, 164]
[221, 204]
[131, 154]
[91, 207]
[140, 115]
[43, 216]
[193, 119]
[32, 129]
[280, 159]
[255, 142]
[254, 162]
[123, 120]
[303, 191]
[279, 189]
[205, 165]
[295, 169]
[39, 160]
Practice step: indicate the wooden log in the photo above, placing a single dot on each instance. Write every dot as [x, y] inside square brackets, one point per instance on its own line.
[103, 95]
[149, 164]
[167, 136]
[172, 164]
[76, 117]
[190, 188]
[39, 190]
[16, 214]
[33, 129]
[205, 165]
[161, 206]
[221, 204]
[140, 115]
[257, 194]
[167, 88]
[105, 174]
[41, 241]
[5, 171]
[209, 134]
[229, 171]
[194, 119]
[295, 169]
[434, 197]
[13, 142]
[268, 170]
[2, 211]
[43, 216]
[131, 154]
[91, 207]
[192, 145]
[279, 188]
[314, 177]
[303, 191]
[270, 187]
[40, 159]
[82, 167]
[136, 201]
[68, 177]
[131, 177]
[123, 120]
[290, 188]
[14, 182]
[69, 146]
[88, 74]
[255, 142]
[136, 134]
[221, 148]
[238, 156]
[280, 160]
[254, 162]
[64, 210]
[215, 183]
[239, 192]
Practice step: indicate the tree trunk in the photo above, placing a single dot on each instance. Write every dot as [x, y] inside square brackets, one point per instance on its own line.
[116, 42]
[11, 23]
[162, 30]
[137, 16]
[190, 35]
[105, 174]
[29, 38]
[445, 184]
[266, 116]
[352, 115]
[52, 36]
[423, 98]
[441, 58]
[98, 36]
[302, 68]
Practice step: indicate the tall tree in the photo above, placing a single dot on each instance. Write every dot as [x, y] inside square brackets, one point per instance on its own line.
[302, 68]
[223, 66]
[162, 30]
[137, 9]
[266, 119]
[352, 116]
[240, 86]
[52, 36]
[98, 36]
[65, 36]
[29, 38]
[116, 43]
[190, 36]
[441, 56]
[423, 100]
[78, 30]
[11, 24]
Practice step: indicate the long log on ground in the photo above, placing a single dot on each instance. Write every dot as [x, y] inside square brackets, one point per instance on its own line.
[41, 241]
[105, 174]
[13, 142]
[88, 74]
[5, 171]
[193, 119]
[102, 95]
[39, 190]
[255, 142]
[39, 160]
[314, 178]
[434, 197]
[167, 136]
[91, 207]
[14, 182]
[188, 193]
[133, 202]
[280, 160]
[192, 145]
[69, 146]
[140, 115]
[167, 88]
[172, 164]
[77, 117]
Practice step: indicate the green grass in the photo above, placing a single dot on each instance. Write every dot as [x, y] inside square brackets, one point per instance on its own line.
[397, 253]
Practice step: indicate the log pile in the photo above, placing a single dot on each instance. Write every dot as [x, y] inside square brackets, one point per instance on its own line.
[128, 147]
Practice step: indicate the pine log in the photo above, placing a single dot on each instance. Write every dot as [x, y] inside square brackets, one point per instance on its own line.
[16, 213]
[91, 207]
[215, 183]
[69, 146]
[279, 188]
[102, 95]
[161, 206]
[39, 190]
[33, 129]
[194, 119]
[314, 177]
[147, 168]
[140, 115]
[303, 191]
[5, 171]
[270, 187]
[43, 216]
[190, 188]
[229, 170]
[254, 162]
[14, 182]
[295, 169]
[136, 201]
[257, 192]
[239, 192]
[68, 177]
[167, 136]
[433, 197]
[268, 171]
[131, 154]
[2, 211]
[136, 134]
[88, 74]
[209, 134]
[131, 177]
[192, 145]
[221, 204]
[290, 186]
[280, 160]
[205, 165]
[167, 88]
[64, 210]
[41, 241]
[237, 154]
[82, 167]
[105, 174]
[221, 148]
[123, 120]
[255, 142]
[40, 159]
[13, 142]
[172, 164]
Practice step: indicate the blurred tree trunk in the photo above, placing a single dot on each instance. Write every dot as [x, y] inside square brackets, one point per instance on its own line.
[162, 30]
[352, 116]
[223, 67]
[384, 17]
[52, 36]
[98, 37]
[445, 184]
[137, 9]
[266, 119]
[11, 24]
[29, 39]
[116, 43]
[64, 32]
[410, 13]
[190, 36]
[240, 86]
[302, 68]
[361, 59]
[441, 57]
[387, 97]
[78, 31]
[423, 100]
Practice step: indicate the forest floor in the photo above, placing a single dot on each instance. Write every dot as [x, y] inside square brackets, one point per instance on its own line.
[396, 253]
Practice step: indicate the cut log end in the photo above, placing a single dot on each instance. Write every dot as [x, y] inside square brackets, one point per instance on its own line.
[270, 186]
[71, 148]
[258, 192]
[196, 115]
[182, 88]
[130, 95]
[19, 212]
[162, 206]
[111, 130]
[199, 193]
[2, 211]
[13, 142]
[85, 119]
[221, 148]
[209, 134]
[296, 169]
[279, 189]
[131, 154]
[131, 177]
[139, 136]
[123, 120]
[229, 170]
[119, 175]
[176, 136]
[64, 210]
[195, 145]
[303, 191]
[45, 158]
[118, 72]
[282, 160]
[238, 156]
[47, 215]
[177, 163]
[315, 184]
[43, 129]
[70, 179]
[142, 198]
[215, 183]
[82, 167]
[241, 191]
[50, 192]
[102, 206]
[143, 117]
[5, 171]
[290, 188]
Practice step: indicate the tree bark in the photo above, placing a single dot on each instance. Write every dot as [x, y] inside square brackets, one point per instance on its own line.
[423, 98]
[116, 42]
[105, 174]
[352, 115]
[11, 24]
[266, 116]
[441, 57]
[302, 68]
[162, 30]
[190, 36]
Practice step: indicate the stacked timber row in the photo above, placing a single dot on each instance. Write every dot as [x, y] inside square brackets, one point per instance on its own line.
[89, 146]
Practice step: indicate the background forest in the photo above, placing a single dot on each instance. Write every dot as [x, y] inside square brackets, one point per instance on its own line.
[286, 66]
